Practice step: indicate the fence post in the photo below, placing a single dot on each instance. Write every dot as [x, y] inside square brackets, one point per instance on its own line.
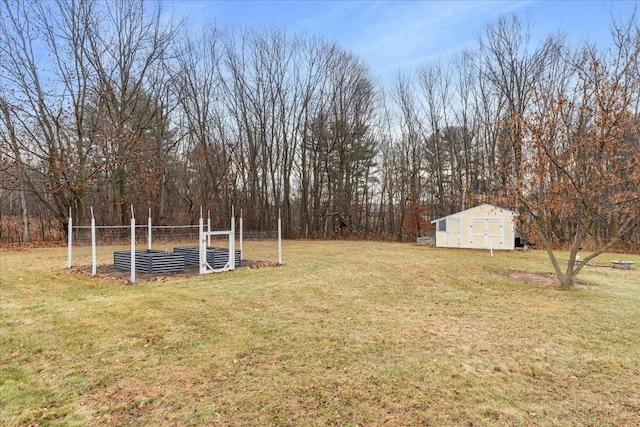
[208, 228]
[69, 239]
[202, 246]
[93, 244]
[279, 239]
[133, 247]
[232, 243]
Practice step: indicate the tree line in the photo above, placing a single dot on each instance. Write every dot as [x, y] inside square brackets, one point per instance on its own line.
[113, 104]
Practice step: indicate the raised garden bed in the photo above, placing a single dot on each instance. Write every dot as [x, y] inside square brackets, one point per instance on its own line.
[150, 261]
[216, 257]
[625, 265]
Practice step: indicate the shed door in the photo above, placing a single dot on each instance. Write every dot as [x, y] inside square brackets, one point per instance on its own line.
[477, 233]
[453, 232]
[495, 234]
[486, 233]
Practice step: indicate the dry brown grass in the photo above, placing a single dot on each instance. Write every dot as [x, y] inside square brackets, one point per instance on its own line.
[346, 333]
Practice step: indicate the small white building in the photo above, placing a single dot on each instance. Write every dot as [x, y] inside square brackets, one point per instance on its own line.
[481, 227]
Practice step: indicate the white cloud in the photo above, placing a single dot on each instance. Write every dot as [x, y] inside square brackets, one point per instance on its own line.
[393, 35]
[411, 33]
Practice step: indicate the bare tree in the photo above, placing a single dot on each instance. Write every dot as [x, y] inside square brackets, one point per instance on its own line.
[411, 154]
[344, 139]
[209, 144]
[49, 97]
[10, 143]
[511, 67]
[127, 44]
[581, 152]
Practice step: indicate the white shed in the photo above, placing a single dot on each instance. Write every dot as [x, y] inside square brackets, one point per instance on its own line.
[481, 227]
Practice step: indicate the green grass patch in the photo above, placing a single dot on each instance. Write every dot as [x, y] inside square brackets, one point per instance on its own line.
[345, 333]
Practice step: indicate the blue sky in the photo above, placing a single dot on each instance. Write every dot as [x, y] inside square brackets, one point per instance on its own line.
[394, 35]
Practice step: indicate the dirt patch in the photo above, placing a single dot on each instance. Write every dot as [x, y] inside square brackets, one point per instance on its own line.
[548, 279]
[122, 276]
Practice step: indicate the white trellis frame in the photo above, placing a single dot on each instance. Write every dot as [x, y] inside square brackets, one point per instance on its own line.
[205, 238]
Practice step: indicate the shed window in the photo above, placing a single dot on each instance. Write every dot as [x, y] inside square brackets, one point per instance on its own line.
[442, 225]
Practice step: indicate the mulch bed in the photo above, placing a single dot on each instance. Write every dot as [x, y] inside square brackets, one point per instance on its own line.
[109, 272]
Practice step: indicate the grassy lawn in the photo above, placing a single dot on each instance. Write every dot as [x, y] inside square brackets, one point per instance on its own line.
[345, 333]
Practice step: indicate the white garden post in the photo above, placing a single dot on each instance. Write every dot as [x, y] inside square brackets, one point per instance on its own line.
[202, 246]
[133, 247]
[208, 228]
[279, 239]
[69, 239]
[149, 232]
[93, 244]
[232, 242]
[240, 234]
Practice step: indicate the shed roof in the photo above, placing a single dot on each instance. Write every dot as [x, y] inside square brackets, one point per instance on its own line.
[475, 208]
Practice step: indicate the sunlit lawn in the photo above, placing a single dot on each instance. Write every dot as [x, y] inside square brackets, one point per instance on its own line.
[345, 333]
